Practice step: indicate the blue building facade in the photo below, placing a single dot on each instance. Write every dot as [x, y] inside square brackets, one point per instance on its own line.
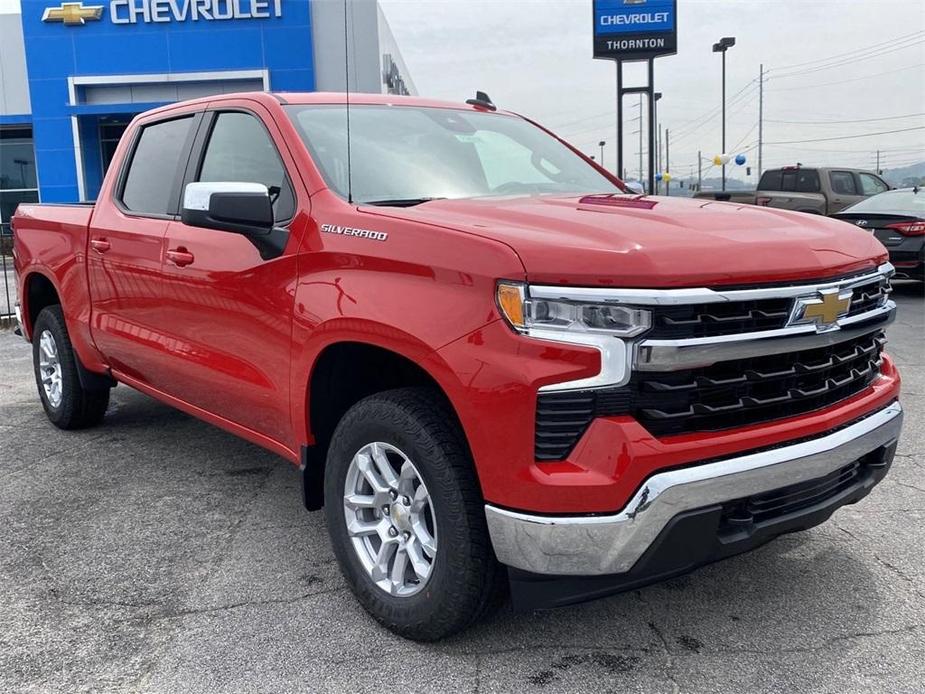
[76, 72]
[88, 75]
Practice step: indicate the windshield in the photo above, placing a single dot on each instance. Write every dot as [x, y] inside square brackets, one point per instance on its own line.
[894, 202]
[402, 153]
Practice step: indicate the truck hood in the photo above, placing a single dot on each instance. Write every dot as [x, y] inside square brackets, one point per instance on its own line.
[649, 241]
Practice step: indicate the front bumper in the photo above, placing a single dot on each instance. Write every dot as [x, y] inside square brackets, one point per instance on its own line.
[602, 545]
[18, 328]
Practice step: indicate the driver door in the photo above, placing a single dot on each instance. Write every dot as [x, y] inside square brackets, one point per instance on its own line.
[228, 297]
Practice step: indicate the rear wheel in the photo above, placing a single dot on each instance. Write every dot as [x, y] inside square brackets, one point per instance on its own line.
[66, 402]
[406, 518]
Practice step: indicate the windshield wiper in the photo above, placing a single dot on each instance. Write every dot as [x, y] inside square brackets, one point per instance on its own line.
[400, 202]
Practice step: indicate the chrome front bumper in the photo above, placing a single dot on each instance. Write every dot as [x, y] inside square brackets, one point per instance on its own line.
[18, 328]
[596, 545]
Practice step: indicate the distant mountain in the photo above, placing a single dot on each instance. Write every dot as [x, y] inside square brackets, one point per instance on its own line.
[906, 176]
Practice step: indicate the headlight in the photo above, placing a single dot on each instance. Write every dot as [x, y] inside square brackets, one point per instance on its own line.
[525, 313]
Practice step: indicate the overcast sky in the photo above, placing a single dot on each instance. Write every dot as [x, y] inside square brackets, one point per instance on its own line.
[534, 56]
[857, 60]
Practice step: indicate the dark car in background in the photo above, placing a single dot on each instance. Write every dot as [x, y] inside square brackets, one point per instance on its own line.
[897, 219]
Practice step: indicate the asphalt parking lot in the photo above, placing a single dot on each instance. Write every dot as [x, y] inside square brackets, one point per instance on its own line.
[160, 554]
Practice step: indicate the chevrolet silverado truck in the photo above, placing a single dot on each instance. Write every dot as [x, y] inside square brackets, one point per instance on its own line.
[495, 368]
[822, 191]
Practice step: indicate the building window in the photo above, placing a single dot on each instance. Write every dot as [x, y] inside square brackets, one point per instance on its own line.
[110, 134]
[18, 181]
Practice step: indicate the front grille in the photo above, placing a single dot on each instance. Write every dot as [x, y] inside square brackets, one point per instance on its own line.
[770, 506]
[722, 396]
[747, 391]
[733, 317]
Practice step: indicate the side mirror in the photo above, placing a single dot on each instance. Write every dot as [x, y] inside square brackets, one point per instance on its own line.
[241, 208]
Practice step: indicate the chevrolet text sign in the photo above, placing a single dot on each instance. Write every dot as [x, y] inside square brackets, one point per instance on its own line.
[635, 29]
[138, 11]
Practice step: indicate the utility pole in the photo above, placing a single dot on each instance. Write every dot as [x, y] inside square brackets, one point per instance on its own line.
[667, 163]
[699, 170]
[760, 114]
[640, 144]
[601, 145]
[878, 163]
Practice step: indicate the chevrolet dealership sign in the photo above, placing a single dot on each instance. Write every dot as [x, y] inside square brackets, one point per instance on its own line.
[161, 11]
[635, 29]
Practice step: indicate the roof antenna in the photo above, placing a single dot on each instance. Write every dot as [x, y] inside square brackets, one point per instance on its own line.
[347, 93]
[483, 101]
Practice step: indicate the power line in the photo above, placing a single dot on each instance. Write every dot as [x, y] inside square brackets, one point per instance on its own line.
[854, 50]
[850, 151]
[852, 79]
[840, 122]
[847, 137]
[699, 121]
[864, 55]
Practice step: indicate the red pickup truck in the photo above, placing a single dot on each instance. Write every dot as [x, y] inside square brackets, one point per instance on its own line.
[494, 367]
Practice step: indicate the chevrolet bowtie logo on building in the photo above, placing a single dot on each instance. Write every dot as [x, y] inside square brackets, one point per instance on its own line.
[824, 310]
[72, 13]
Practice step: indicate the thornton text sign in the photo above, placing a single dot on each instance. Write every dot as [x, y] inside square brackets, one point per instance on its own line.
[635, 29]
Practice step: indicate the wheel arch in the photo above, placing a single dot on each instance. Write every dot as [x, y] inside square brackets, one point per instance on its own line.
[39, 292]
[344, 372]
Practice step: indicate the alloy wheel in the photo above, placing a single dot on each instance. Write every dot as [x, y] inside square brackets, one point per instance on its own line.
[390, 519]
[50, 368]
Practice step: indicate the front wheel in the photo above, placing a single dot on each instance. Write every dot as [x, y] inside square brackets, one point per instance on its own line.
[66, 402]
[406, 518]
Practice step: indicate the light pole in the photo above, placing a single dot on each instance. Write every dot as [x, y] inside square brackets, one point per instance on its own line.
[722, 46]
[601, 145]
[656, 97]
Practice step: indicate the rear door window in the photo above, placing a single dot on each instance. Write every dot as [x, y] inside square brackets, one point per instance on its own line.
[871, 185]
[152, 181]
[842, 182]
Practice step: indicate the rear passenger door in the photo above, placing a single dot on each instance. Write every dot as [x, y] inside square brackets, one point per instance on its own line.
[228, 302]
[871, 185]
[126, 244]
[845, 190]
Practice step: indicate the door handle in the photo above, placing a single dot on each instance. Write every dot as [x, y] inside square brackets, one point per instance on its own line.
[100, 245]
[180, 257]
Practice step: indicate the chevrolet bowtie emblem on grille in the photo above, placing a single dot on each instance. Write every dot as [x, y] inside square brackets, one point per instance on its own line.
[72, 13]
[824, 310]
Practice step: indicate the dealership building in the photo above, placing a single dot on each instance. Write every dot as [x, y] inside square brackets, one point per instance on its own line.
[73, 74]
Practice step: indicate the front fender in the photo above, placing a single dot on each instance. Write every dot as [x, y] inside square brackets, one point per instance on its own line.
[360, 331]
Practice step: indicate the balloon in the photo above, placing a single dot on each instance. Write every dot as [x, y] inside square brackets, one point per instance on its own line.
[658, 177]
[740, 159]
[724, 159]
[666, 177]
[717, 160]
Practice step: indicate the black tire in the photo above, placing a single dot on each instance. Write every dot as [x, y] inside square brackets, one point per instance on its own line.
[78, 408]
[466, 579]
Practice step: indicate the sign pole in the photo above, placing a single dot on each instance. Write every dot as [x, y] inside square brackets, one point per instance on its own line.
[651, 94]
[619, 169]
[635, 31]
